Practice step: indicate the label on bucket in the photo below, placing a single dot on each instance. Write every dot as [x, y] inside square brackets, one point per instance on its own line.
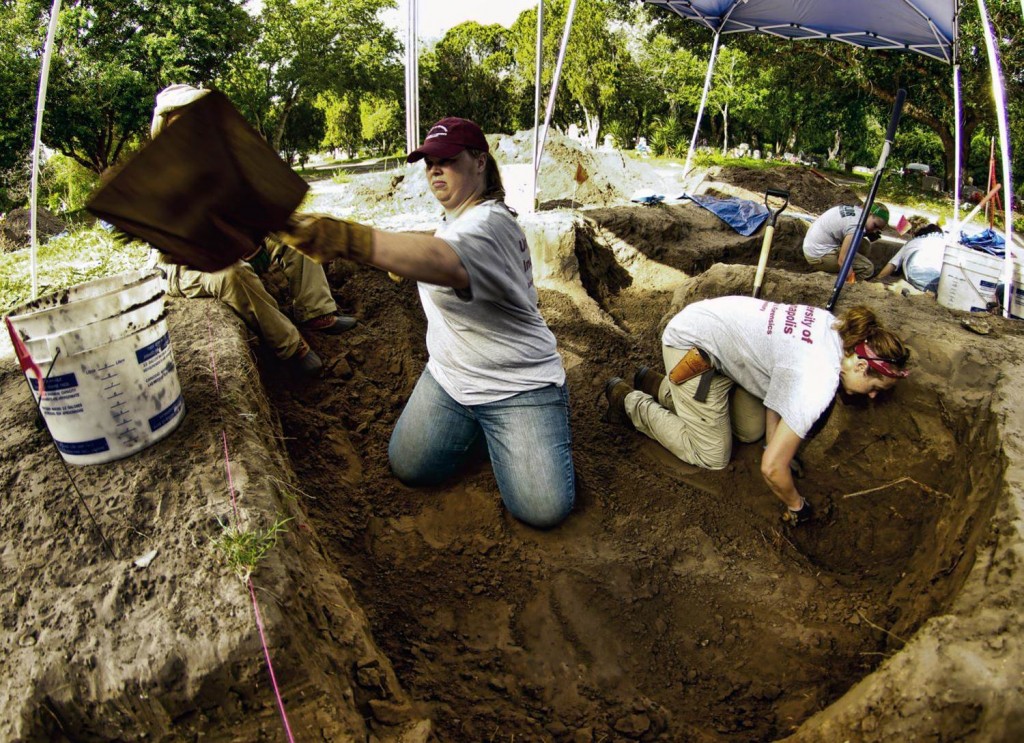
[146, 353]
[62, 395]
[82, 448]
[166, 415]
[156, 360]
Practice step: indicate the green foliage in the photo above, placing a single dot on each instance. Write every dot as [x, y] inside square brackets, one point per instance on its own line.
[342, 125]
[19, 73]
[113, 56]
[668, 137]
[303, 132]
[65, 185]
[245, 548]
[382, 124]
[468, 73]
[305, 48]
[82, 255]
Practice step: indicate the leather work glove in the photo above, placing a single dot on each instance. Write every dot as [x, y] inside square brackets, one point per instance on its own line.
[324, 238]
[260, 260]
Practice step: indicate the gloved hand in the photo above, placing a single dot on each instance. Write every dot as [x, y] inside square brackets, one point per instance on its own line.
[796, 518]
[324, 238]
[260, 260]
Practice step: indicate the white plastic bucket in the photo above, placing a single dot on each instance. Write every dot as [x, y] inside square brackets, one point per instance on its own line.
[88, 302]
[111, 385]
[969, 278]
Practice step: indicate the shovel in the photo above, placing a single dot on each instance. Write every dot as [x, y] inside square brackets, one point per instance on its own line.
[769, 232]
[206, 191]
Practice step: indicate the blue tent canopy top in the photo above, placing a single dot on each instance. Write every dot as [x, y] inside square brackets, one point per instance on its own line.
[923, 26]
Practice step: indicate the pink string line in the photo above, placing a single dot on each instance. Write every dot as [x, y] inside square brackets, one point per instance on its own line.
[270, 666]
[252, 589]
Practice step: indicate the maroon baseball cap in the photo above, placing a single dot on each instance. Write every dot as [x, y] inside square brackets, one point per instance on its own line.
[448, 137]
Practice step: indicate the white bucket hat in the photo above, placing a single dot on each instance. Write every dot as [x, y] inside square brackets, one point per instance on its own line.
[170, 99]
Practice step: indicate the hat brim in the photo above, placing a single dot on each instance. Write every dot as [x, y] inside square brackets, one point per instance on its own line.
[435, 148]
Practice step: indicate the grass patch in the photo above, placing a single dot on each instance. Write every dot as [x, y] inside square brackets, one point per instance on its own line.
[244, 549]
[83, 254]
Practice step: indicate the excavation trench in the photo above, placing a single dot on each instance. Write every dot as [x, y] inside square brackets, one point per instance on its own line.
[670, 606]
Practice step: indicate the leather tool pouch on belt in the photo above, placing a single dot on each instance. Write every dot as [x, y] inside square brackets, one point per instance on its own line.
[695, 363]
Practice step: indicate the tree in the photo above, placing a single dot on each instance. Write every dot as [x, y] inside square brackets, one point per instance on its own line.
[309, 47]
[342, 127]
[469, 73]
[303, 133]
[111, 58]
[737, 84]
[928, 82]
[19, 73]
[381, 123]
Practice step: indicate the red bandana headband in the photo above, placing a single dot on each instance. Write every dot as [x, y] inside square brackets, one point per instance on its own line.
[885, 367]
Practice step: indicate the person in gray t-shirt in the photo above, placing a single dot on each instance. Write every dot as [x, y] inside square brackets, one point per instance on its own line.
[494, 374]
[830, 237]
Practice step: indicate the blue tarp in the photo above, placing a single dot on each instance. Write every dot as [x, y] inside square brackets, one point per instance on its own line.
[987, 241]
[746, 217]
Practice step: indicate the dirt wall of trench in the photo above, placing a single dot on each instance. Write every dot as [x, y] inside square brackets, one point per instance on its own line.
[96, 647]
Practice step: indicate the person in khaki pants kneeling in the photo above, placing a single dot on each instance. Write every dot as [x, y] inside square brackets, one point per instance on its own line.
[743, 366]
[239, 285]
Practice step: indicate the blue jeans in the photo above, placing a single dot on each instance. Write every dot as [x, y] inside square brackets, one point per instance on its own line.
[528, 440]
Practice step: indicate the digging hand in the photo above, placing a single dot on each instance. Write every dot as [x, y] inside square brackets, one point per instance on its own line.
[324, 238]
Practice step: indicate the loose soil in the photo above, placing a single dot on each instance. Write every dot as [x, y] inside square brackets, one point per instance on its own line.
[15, 228]
[671, 605]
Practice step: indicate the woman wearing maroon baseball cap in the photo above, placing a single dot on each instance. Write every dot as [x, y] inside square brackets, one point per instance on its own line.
[494, 375]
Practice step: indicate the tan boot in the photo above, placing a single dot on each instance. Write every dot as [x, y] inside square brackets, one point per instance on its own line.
[615, 391]
[649, 381]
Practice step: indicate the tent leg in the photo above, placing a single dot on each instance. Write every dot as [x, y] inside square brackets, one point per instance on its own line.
[958, 139]
[999, 94]
[554, 87]
[536, 100]
[700, 109]
[44, 78]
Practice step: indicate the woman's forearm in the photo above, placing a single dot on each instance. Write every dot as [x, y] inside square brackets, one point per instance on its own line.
[419, 257]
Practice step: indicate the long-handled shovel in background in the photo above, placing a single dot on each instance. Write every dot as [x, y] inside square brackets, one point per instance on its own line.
[858, 235]
[769, 233]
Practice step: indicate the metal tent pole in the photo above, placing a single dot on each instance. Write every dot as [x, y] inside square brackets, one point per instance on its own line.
[44, 78]
[554, 87]
[999, 94]
[412, 79]
[703, 102]
[958, 139]
[536, 100]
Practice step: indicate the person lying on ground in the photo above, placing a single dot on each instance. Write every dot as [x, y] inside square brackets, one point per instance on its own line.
[494, 375]
[239, 285]
[920, 259]
[743, 366]
[830, 236]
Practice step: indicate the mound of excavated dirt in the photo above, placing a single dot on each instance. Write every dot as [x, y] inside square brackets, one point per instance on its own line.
[400, 198]
[809, 190]
[15, 227]
[670, 606]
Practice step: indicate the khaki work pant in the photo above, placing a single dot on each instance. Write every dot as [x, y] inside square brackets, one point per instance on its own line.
[239, 287]
[863, 268]
[699, 433]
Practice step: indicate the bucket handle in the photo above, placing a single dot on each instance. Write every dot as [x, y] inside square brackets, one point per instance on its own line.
[970, 283]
